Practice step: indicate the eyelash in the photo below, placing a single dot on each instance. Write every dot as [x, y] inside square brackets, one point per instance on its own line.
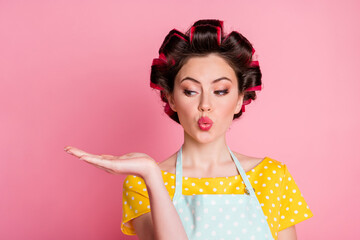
[226, 91]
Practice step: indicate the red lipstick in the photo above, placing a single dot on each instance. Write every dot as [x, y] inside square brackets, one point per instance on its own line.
[205, 123]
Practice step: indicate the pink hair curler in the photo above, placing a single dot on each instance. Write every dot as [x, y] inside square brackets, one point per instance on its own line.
[158, 61]
[153, 85]
[255, 88]
[218, 35]
[162, 56]
[254, 64]
[192, 29]
[168, 109]
[245, 103]
[243, 108]
[179, 36]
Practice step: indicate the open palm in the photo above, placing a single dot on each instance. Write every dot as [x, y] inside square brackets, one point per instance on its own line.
[131, 163]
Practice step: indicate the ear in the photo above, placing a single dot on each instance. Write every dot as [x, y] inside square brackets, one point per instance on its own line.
[239, 103]
[170, 99]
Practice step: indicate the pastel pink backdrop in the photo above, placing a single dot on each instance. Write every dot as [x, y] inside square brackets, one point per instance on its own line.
[77, 73]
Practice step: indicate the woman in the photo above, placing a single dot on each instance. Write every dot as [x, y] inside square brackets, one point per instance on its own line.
[205, 78]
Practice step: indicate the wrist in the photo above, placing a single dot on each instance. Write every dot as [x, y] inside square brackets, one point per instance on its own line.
[153, 173]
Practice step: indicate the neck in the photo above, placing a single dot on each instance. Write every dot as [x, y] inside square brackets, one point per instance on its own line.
[204, 156]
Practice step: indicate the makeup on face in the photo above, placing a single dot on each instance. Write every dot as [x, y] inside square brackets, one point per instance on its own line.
[205, 96]
[205, 123]
[190, 89]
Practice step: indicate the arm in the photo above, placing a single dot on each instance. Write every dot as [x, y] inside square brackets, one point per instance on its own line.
[163, 222]
[143, 226]
[288, 234]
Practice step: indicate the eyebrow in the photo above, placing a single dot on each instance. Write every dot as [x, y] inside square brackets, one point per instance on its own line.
[216, 80]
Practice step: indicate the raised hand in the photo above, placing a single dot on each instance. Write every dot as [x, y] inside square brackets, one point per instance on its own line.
[139, 164]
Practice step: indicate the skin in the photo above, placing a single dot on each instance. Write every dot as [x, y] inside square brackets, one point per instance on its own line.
[205, 153]
[159, 225]
[196, 94]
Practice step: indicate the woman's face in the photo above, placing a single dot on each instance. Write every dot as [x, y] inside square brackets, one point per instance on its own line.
[206, 86]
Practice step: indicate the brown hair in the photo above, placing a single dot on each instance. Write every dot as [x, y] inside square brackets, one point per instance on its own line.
[205, 37]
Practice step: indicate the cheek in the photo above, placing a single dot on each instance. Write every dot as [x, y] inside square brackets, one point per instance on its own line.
[183, 105]
[185, 110]
[186, 115]
[226, 110]
[228, 105]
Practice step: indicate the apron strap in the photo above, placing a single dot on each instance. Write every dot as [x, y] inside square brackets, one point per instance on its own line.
[248, 187]
[179, 176]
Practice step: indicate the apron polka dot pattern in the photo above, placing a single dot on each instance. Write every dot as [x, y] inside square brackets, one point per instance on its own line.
[216, 216]
[279, 197]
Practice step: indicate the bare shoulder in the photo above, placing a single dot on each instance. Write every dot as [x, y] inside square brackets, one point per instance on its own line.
[248, 162]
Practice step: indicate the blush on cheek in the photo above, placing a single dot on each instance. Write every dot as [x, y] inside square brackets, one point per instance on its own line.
[226, 107]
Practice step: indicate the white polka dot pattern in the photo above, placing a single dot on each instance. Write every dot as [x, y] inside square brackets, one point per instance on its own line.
[223, 221]
[274, 194]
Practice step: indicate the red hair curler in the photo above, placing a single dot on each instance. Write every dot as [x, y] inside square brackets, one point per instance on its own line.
[254, 63]
[218, 35]
[255, 88]
[245, 103]
[168, 109]
[221, 24]
[178, 35]
[162, 56]
[162, 60]
[158, 61]
[192, 29]
[153, 85]
[243, 108]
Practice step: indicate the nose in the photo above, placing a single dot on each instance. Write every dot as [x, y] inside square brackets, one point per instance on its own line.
[205, 105]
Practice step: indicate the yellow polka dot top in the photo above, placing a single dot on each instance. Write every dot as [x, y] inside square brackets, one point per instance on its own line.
[276, 190]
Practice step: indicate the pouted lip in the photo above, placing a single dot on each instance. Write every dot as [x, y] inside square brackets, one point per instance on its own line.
[203, 120]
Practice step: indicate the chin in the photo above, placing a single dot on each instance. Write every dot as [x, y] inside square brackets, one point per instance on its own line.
[206, 137]
[205, 140]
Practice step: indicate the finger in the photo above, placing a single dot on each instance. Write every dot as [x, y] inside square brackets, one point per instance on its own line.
[108, 156]
[108, 164]
[77, 152]
[103, 168]
[128, 156]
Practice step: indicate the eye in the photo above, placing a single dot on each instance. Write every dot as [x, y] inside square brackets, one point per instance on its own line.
[222, 92]
[188, 92]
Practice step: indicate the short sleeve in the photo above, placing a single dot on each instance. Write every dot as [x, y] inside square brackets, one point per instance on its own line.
[293, 208]
[135, 202]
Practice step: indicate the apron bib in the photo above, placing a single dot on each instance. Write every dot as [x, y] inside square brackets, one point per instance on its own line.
[220, 216]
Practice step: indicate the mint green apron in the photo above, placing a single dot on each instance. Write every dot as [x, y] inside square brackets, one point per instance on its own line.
[220, 216]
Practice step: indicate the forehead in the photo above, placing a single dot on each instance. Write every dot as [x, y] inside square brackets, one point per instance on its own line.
[206, 68]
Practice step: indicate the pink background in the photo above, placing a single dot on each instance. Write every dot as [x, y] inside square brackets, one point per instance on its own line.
[77, 73]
